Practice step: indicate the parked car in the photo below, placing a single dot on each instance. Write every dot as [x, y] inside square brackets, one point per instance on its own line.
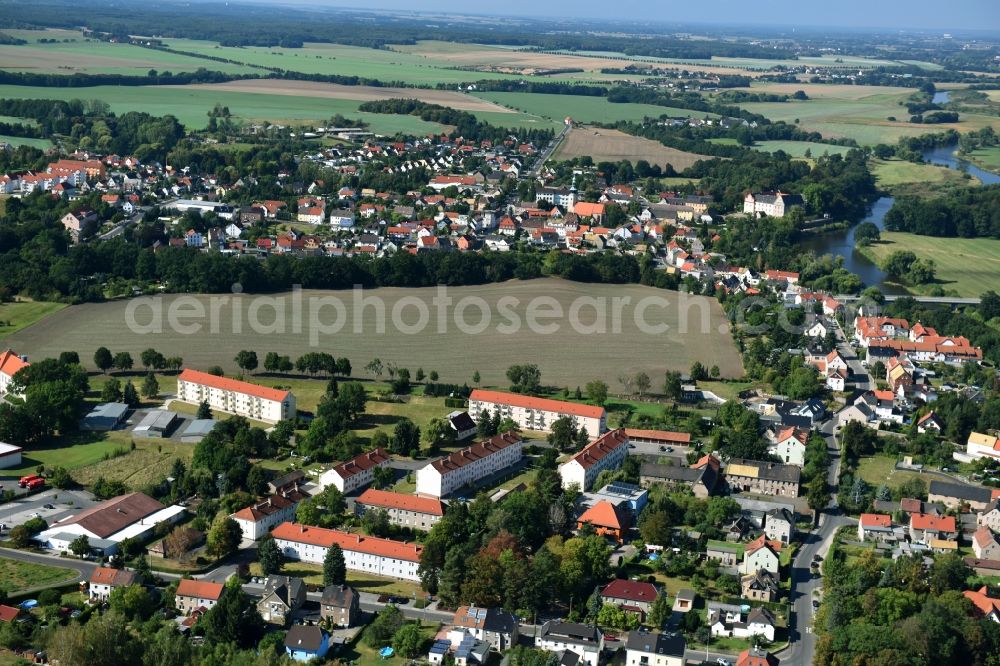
[49, 506]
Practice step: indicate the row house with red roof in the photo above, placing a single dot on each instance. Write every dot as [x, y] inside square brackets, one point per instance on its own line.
[606, 452]
[371, 555]
[460, 469]
[410, 511]
[357, 472]
[232, 396]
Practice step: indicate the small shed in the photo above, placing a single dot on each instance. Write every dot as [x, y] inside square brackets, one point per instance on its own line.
[197, 429]
[106, 416]
[156, 424]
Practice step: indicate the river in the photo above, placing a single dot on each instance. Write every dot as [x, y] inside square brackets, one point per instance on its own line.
[841, 243]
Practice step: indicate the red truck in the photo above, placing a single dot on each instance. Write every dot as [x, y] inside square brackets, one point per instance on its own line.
[25, 480]
[36, 483]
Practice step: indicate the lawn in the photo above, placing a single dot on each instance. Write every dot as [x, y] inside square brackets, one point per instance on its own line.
[799, 148]
[22, 313]
[900, 177]
[16, 575]
[72, 452]
[15, 141]
[987, 158]
[695, 330]
[312, 574]
[965, 266]
[385, 415]
[151, 461]
[359, 653]
[880, 469]
[582, 108]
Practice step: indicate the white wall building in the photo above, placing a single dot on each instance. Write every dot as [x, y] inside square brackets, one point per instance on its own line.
[355, 473]
[607, 452]
[457, 470]
[537, 413]
[10, 363]
[259, 518]
[584, 640]
[382, 557]
[10, 455]
[417, 513]
[646, 648]
[223, 394]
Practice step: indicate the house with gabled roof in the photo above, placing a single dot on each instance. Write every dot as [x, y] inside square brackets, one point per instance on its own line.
[924, 527]
[986, 606]
[192, 595]
[761, 553]
[457, 470]
[632, 596]
[875, 527]
[283, 596]
[606, 452]
[762, 585]
[357, 472]
[790, 445]
[606, 519]
[418, 513]
[105, 580]
[10, 364]
[985, 545]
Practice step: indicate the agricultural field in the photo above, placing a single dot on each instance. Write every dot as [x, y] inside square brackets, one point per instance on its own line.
[490, 338]
[76, 54]
[613, 146]
[20, 314]
[842, 91]
[965, 266]
[899, 177]
[582, 108]
[799, 148]
[15, 141]
[864, 119]
[17, 575]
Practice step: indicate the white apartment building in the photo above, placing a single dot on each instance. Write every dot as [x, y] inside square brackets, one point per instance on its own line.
[259, 518]
[444, 476]
[233, 396]
[607, 452]
[383, 557]
[418, 513]
[537, 413]
[355, 473]
[10, 363]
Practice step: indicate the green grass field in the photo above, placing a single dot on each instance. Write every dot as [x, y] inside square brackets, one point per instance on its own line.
[799, 148]
[581, 108]
[987, 158]
[16, 575]
[878, 470]
[910, 178]
[965, 266]
[72, 452]
[20, 314]
[151, 461]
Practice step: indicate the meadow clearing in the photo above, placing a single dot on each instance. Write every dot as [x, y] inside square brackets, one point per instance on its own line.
[582, 108]
[17, 575]
[965, 266]
[585, 343]
[22, 313]
[899, 177]
[613, 146]
[799, 148]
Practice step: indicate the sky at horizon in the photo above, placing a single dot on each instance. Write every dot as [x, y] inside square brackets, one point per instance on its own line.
[932, 15]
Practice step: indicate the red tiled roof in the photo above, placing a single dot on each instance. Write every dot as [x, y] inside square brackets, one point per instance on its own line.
[983, 537]
[113, 577]
[596, 451]
[11, 363]
[604, 514]
[227, 384]
[926, 521]
[390, 500]
[875, 520]
[476, 452]
[665, 436]
[630, 589]
[318, 536]
[8, 613]
[260, 510]
[544, 404]
[199, 589]
[361, 462]
[761, 542]
[792, 431]
[983, 602]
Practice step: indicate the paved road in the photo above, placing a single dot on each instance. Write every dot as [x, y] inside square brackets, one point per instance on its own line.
[546, 154]
[83, 568]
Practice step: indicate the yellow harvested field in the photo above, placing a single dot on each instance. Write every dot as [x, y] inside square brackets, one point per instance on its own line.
[613, 145]
[452, 99]
[822, 90]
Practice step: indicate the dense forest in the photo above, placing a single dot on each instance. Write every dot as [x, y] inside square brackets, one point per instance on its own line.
[970, 213]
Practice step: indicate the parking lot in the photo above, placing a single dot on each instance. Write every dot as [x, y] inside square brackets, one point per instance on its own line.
[64, 503]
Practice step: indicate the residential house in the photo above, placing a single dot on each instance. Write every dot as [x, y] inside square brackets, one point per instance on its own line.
[756, 656]
[584, 640]
[985, 545]
[875, 527]
[990, 516]
[536, 413]
[925, 527]
[462, 424]
[772, 204]
[648, 648]
[105, 580]
[9, 613]
[382, 557]
[982, 445]
[341, 604]
[258, 519]
[780, 525]
[986, 606]
[283, 595]
[763, 478]
[761, 553]
[193, 595]
[497, 627]
[761, 585]
[418, 513]
[726, 554]
[729, 620]
[607, 519]
[790, 445]
[232, 396]
[957, 495]
[10, 364]
[929, 422]
[466, 467]
[702, 477]
[607, 452]
[305, 642]
[632, 596]
[355, 473]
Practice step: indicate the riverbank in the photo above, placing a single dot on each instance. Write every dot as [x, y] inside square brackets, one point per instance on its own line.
[965, 267]
[985, 158]
[900, 178]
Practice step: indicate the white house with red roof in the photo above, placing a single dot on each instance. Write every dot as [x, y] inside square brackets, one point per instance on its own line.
[418, 513]
[357, 472]
[985, 545]
[532, 413]
[382, 557]
[790, 445]
[233, 396]
[259, 518]
[194, 595]
[455, 471]
[986, 605]
[925, 526]
[875, 527]
[607, 452]
[10, 363]
[105, 580]
[761, 553]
